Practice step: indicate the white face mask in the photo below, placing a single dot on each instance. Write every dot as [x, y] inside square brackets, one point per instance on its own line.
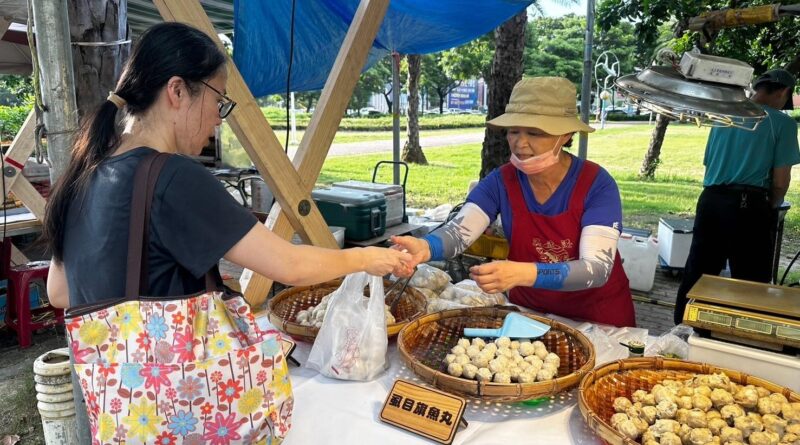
[539, 163]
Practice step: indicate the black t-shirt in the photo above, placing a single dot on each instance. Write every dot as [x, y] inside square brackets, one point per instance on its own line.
[194, 221]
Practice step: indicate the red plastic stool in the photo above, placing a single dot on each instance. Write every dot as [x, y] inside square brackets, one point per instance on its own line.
[19, 315]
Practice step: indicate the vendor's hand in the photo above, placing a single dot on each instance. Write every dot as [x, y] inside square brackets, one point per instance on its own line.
[380, 261]
[500, 276]
[418, 249]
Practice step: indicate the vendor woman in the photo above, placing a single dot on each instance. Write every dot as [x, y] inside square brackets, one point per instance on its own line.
[562, 215]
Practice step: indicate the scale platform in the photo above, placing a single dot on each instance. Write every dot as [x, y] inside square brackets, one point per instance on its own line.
[752, 313]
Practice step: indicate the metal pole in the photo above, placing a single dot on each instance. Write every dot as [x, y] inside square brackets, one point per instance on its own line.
[396, 116]
[586, 84]
[53, 51]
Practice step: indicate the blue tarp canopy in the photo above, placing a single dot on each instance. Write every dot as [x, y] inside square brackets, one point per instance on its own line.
[262, 29]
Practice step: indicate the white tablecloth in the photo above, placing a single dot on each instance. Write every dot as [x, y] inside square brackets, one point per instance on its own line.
[329, 411]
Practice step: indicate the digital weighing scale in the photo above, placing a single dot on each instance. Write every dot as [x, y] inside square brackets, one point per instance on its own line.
[756, 314]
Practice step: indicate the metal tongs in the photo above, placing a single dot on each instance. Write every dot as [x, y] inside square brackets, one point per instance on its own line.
[396, 298]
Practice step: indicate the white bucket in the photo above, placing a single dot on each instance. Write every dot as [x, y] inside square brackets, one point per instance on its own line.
[54, 394]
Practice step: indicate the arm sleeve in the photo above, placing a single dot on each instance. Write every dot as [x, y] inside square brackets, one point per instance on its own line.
[487, 195]
[459, 233]
[786, 146]
[603, 206]
[196, 220]
[598, 248]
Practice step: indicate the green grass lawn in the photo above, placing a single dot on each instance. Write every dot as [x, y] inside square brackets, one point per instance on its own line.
[620, 150]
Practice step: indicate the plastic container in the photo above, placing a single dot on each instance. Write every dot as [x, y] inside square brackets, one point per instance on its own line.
[489, 246]
[362, 214]
[338, 235]
[782, 369]
[639, 259]
[674, 240]
[392, 192]
[54, 395]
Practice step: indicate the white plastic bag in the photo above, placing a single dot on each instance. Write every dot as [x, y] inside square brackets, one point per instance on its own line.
[352, 342]
[430, 277]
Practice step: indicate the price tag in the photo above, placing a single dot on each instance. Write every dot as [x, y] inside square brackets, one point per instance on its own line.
[427, 412]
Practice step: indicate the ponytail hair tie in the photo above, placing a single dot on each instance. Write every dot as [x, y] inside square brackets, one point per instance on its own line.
[116, 100]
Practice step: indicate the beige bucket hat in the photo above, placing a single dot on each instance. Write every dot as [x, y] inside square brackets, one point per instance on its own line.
[546, 103]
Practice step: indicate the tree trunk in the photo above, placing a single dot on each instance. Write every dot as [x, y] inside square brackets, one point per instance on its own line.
[412, 152]
[509, 41]
[387, 96]
[651, 159]
[794, 66]
[441, 100]
[97, 68]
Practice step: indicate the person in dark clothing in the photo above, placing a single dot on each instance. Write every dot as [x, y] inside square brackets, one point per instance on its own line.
[747, 176]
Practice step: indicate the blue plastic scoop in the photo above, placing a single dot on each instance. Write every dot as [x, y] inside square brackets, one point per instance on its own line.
[514, 326]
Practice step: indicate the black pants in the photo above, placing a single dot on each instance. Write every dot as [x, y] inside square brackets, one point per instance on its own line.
[735, 224]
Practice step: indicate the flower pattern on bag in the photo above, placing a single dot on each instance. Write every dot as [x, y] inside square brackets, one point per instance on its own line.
[189, 371]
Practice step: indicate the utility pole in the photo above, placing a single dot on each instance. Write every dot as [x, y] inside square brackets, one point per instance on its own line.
[586, 84]
[57, 81]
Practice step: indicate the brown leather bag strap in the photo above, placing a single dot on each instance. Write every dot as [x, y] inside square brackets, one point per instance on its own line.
[137, 280]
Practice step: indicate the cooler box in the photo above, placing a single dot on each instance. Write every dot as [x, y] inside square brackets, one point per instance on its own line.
[338, 235]
[392, 192]
[776, 367]
[362, 214]
[674, 240]
[639, 259]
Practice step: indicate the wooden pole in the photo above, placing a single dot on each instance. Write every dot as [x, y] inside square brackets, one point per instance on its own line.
[57, 81]
[324, 123]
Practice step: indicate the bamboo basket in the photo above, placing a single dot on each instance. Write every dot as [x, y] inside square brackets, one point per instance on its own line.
[283, 308]
[425, 341]
[600, 387]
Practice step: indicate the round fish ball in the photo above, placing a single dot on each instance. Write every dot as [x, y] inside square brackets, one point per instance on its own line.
[702, 402]
[479, 342]
[497, 366]
[720, 397]
[503, 342]
[649, 400]
[638, 395]
[455, 369]
[747, 425]
[793, 429]
[696, 419]
[541, 352]
[730, 434]
[684, 402]
[747, 396]
[502, 377]
[470, 371]
[552, 358]
[713, 414]
[649, 414]
[774, 423]
[763, 438]
[681, 415]
[621, 404]
[532, 359]
[484, 374]
[778, 398]
[763, 392]
[703, 390]
[665, 426]
[662, 393]
[700, 436]
[716, 425]
[517, 359]
[791, 412]
[514, 372]
[524, 366]
[629, 429]
[504, 352]
[670, 439]
[618, 418]
[767, 405]
[526, 377]
[472, 351]
[461, 359]
[526, 348]
[685, 391]
[538, 344]
[481, 361]
[634, 411]
[551, 367]
[514, 345]
[648, 438]
[666, 409]
[449, 358]
[464, 343]
[490, 348]
[731, 412]
[544, 374]
[458, 349]
[640, 423]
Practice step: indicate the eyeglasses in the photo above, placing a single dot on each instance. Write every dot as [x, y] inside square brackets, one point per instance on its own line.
[225, 105]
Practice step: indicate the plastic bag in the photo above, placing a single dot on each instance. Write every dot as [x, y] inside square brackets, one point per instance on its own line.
[429, 277]
[673, 344]
[463, 294]
[352, 342]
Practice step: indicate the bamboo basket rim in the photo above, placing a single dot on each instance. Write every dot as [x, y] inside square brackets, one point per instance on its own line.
[309, 333]
[490, 391]
[610, 435]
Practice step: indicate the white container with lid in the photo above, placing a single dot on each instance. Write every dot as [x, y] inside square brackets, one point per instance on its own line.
[639, 259]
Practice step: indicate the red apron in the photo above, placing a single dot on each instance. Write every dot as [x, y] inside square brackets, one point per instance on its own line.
[552, 239]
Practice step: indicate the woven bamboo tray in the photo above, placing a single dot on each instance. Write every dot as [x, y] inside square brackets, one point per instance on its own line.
[283, 308]
[425, 341]
[600, 387]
